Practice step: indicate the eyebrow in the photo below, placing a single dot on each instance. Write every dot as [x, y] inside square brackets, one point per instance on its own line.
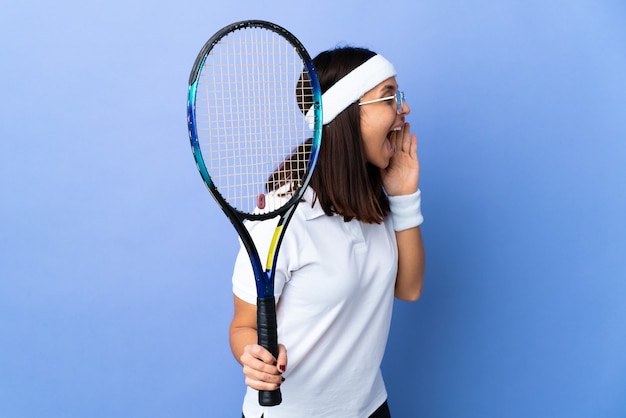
[388, 88]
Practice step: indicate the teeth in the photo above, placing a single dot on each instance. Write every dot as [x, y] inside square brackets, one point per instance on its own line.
[397, 129]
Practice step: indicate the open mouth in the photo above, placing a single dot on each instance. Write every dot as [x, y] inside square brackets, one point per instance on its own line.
[388, 145]
[391, 148]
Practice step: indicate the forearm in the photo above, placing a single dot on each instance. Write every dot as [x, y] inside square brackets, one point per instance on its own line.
[411, 264]
[407, 217]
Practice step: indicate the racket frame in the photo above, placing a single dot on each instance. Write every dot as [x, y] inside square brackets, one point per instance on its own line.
[264, 278]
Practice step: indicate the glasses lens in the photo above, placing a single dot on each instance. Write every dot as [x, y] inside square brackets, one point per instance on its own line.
[400, 101]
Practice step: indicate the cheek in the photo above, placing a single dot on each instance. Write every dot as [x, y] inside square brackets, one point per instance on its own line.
[376, 149]
[374, 130]
[377, 124]
[374, 134]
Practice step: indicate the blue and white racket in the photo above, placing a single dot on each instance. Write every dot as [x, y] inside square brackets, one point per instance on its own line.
[250, 89]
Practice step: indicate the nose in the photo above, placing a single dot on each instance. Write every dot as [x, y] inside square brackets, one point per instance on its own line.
[404, 109]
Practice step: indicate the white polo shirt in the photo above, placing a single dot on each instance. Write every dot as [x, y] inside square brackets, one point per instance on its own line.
[334, 288]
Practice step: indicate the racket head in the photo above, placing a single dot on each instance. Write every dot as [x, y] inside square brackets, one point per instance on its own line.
[249, 91]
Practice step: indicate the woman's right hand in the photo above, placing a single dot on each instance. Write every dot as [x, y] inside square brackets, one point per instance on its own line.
[261, 369]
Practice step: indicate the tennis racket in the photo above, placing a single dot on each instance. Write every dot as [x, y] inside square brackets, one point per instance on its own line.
[250, 89]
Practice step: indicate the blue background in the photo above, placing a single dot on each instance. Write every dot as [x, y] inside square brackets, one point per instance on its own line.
[115, 262]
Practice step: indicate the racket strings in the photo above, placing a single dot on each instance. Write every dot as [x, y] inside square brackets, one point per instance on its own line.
[251, 126]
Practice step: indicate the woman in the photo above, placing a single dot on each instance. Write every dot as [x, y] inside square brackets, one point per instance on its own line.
[352, 245]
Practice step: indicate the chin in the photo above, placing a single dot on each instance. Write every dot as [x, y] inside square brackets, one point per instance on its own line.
[384, 163]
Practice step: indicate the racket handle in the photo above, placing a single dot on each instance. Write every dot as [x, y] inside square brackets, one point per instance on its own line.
[268, 338]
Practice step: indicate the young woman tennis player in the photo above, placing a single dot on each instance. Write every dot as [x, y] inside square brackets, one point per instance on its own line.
[352, 245]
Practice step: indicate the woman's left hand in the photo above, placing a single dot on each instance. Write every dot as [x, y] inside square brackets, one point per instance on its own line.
[401, 177]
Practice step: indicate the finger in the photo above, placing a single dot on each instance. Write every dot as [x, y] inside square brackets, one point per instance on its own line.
[406, 137]
[262, 374]
[258, 358]
[253, 363]
[414, 145]
[261, 381]
[259, 368]
[260, 353]
[281, 361]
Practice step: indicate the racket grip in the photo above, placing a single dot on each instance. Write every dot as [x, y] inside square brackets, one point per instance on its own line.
[268, 338]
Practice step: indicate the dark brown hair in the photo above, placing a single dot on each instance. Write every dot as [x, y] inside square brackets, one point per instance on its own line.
[345, 183]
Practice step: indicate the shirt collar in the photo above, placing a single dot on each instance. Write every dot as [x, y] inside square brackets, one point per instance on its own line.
[309, 212]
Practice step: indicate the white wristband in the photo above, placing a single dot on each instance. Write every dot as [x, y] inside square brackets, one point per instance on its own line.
[406, 211]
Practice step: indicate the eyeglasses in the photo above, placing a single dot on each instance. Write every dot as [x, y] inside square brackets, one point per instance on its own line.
[399, 96]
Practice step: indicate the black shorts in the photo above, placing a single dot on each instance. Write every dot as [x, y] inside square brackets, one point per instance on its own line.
[381, 412]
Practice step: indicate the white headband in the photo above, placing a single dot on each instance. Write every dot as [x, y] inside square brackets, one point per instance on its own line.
[352, 86]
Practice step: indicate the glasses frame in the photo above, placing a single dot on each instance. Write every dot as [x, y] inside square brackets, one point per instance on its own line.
[399, 96]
